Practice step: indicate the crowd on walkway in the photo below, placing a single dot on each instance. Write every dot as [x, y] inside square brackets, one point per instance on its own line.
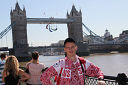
[68, 71]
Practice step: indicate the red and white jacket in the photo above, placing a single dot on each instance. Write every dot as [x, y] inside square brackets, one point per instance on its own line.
[69, 73]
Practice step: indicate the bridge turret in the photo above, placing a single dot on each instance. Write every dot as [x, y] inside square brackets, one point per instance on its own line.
[17, 14]
[19, 31]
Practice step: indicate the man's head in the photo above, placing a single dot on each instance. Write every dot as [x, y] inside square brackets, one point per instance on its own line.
[69, 40]
[3, 56]
[70, 47]
[35, 55]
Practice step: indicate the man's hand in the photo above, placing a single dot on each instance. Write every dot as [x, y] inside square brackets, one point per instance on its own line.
[101, 82]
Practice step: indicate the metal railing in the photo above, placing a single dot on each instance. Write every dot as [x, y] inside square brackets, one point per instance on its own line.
[93, 81]
[121, 79]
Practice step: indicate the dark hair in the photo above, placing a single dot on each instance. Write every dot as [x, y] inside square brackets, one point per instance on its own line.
[68, 40]
[3, 55]
[35, 55]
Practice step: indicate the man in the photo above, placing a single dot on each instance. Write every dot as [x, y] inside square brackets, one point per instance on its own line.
[72, 69]
[2, 62]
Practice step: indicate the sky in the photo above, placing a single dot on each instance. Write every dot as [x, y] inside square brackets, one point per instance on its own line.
[97, 15]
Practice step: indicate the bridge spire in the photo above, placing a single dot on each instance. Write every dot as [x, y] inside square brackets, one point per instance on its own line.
[73, 11]
[24, 11]
[80, 13]
[11, 12]
[17, 7]
[67, 14]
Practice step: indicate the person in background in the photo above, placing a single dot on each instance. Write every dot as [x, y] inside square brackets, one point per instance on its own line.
[35, 69]
[12, 74]
[72, 69]
[2, 62]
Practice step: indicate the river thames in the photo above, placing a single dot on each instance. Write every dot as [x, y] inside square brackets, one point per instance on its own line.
[111, 63]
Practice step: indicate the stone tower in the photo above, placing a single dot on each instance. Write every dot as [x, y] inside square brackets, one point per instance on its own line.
[75, 31]
[75, 28]
[19, 32]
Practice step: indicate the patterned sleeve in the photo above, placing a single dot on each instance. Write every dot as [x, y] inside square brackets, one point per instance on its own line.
[93, 71]
[49, 73]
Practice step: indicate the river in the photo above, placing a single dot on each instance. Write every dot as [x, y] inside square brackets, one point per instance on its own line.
[111, 63]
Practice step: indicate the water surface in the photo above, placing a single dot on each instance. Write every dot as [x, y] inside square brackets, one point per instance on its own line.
[110, 64]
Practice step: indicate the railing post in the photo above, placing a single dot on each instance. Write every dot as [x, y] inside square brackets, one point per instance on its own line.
[121, 79]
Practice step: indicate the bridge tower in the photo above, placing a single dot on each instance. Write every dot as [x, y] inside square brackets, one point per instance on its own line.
[75, 31]
[19, 32]
[75, 28]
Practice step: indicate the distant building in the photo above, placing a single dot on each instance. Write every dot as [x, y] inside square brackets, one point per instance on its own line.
[123, 37]
[108, 36]
[91, 39]
[59, 43]
[85, 39]
[123, 34]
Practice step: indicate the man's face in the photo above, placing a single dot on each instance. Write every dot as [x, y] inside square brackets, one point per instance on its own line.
[70, 48]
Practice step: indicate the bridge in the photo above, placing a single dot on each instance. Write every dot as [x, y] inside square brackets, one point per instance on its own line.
[75, 26]
[19, 23]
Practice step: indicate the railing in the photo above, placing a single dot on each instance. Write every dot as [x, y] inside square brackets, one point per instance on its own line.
[93, 81]
[121, 79]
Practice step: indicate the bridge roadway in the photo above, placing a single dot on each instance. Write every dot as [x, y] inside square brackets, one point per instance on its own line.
[103, 48]
[48, 20]
[93, 48]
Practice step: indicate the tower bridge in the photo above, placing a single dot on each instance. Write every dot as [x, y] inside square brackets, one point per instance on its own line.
[19, 30]
[75, 26]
